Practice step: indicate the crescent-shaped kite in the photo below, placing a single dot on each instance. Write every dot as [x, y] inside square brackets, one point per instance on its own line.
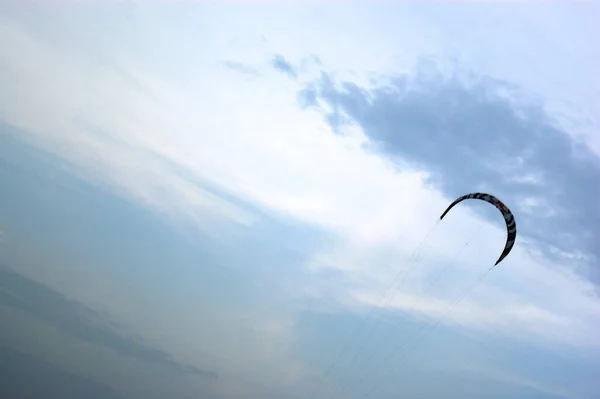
[511, 226]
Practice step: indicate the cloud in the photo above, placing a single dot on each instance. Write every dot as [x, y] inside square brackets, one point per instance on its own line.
[169, 130]
[325, 180]
[281, 64]
[428, 126]
[240, 67]
[81, 322]
[478, 133]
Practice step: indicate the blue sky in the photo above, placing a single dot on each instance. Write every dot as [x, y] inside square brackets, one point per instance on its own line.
[207, 201]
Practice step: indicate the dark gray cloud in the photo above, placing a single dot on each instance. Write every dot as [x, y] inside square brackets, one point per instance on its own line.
[24, 376]
[475, 134]
[283, 65]
[79, 321]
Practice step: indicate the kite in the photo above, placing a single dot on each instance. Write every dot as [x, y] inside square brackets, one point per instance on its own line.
[511, 226]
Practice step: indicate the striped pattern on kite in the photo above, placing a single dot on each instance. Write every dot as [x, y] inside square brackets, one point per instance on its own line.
[511, 225]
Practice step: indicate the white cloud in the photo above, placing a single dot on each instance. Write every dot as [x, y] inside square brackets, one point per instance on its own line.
[104, 125]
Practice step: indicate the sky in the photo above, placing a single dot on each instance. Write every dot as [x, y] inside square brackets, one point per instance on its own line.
[242, 200]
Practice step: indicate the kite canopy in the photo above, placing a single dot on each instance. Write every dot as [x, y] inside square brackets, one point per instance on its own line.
[511, 226]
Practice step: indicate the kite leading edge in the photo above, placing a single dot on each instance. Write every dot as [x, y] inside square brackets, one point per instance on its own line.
[511, 226]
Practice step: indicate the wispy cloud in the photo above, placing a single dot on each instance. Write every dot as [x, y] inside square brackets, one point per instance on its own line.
[281, 64]
[240, 67]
